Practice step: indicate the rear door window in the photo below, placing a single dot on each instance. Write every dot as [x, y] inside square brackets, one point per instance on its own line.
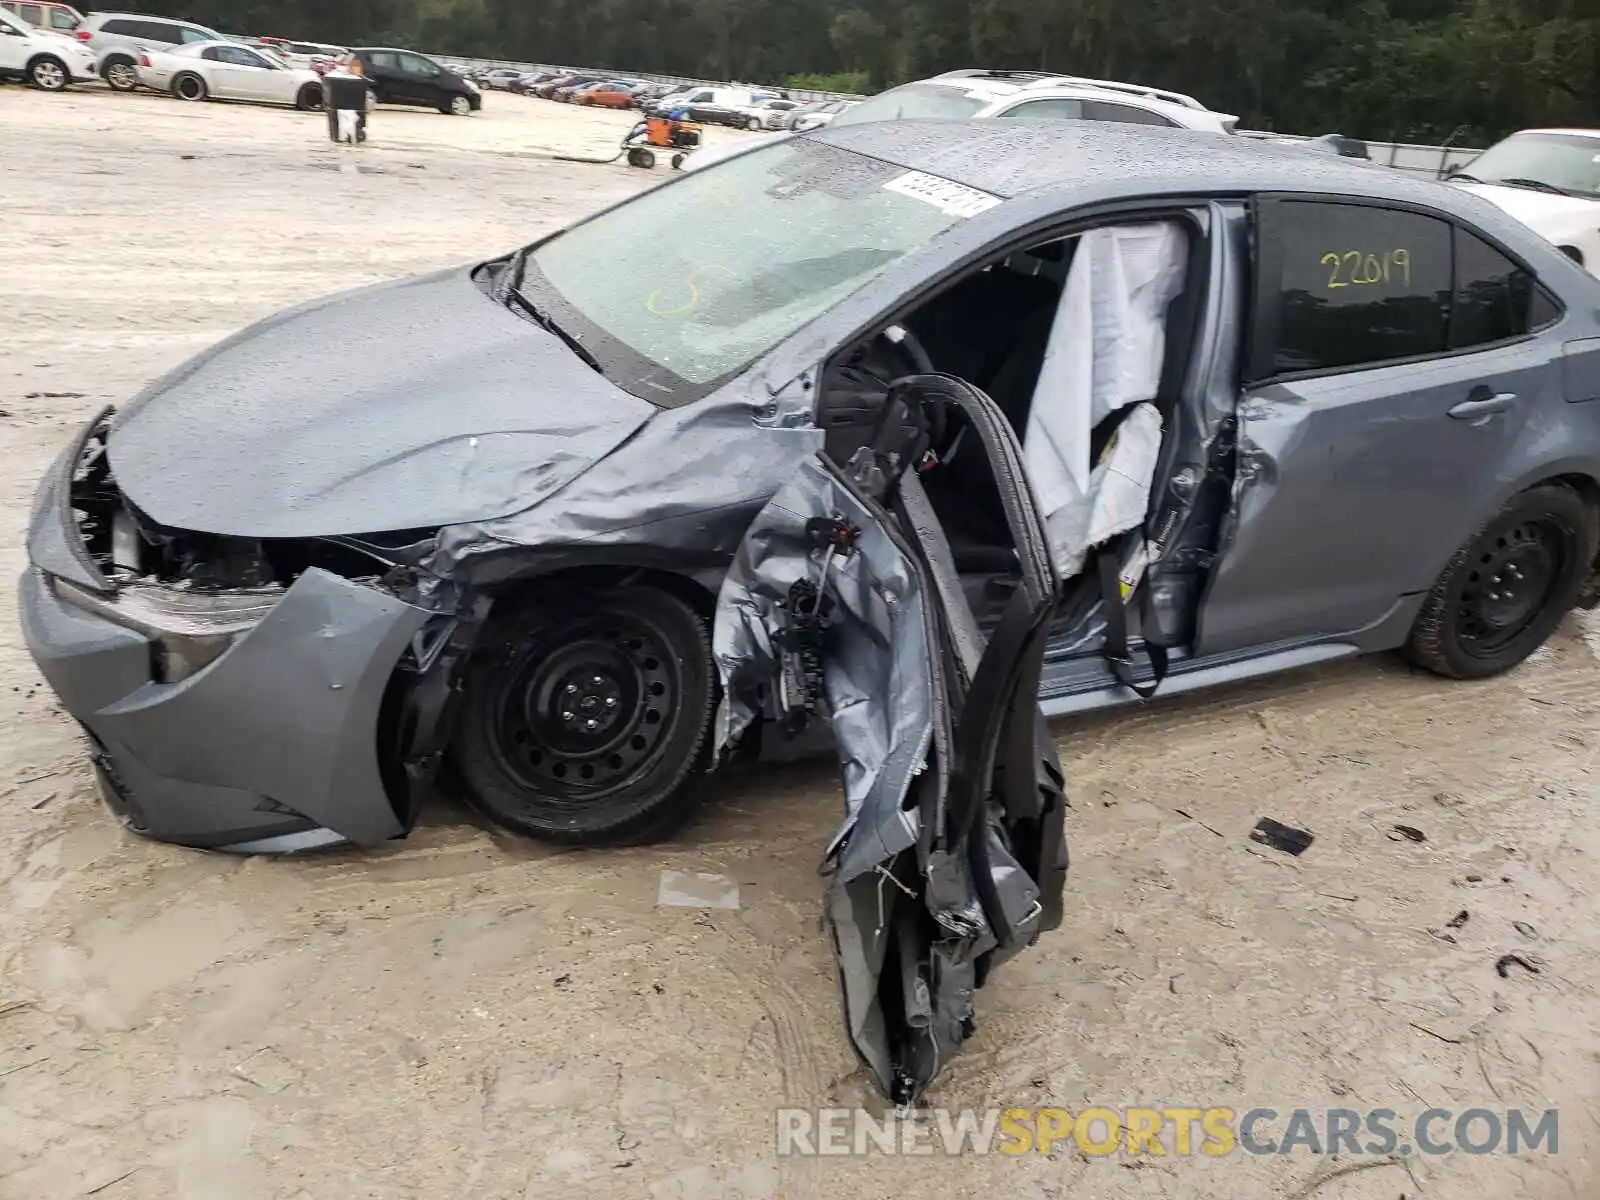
[1343, 286]
[60, 18]
[31, 13]
[1060, 110]
[387, 59]
[1127, 114]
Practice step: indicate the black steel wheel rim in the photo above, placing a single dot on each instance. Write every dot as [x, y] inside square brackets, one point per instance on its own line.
[1511, 583]
[584, 709]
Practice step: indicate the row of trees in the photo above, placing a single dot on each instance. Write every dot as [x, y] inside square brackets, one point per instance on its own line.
[1381, 69]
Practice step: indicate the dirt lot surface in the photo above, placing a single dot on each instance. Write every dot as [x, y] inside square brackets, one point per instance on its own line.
[465, 1014]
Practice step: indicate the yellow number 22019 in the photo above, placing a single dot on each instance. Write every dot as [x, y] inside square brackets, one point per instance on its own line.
[1352, 268]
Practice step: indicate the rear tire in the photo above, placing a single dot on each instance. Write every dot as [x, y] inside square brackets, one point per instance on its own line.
[753, 124]
[190, 87]
[1503, 593]
[310, 98]
[49, 74]
[585, 715]
[120, 74]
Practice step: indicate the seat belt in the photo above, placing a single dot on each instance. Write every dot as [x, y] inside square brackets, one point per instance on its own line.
[1116, 595]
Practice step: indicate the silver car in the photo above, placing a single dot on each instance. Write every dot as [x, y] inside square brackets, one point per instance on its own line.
[117, 39]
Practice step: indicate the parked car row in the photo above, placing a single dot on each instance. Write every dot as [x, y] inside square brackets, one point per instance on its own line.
[52, 45]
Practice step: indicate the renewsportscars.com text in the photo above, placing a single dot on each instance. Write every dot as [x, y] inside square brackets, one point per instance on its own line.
[1176, 1130]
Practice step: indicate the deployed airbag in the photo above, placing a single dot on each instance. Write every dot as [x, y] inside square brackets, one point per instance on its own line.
[1105, 352]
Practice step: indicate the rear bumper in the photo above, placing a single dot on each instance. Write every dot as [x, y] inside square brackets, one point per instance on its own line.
[273, 746]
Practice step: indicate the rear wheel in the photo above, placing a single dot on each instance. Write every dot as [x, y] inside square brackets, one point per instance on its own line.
[120, 74]
[754, 123]
[189, 87]
[310, 98]
[585, 714]
[48, 74]
[1505, 591]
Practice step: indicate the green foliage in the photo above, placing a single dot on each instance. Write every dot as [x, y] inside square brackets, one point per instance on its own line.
[1381, 69]
[849, 82]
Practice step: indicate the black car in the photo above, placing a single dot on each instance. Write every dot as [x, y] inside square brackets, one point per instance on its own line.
[406, 77]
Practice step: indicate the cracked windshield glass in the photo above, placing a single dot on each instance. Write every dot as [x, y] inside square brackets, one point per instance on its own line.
[689, 283]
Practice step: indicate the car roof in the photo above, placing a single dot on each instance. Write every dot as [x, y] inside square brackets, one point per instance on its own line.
[1008, 158]
[101, 16]
[998, 85]
[1588, 133]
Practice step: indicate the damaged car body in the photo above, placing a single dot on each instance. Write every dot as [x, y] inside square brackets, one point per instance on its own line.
[1270, 411]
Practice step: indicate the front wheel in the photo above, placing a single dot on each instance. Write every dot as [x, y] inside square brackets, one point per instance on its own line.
[585, 714]
[48, 74]
[753, 124]
[1507, 589]
[310, 98]
[459, 106]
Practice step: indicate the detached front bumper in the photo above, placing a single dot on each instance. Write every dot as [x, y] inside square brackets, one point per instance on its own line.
[270, 746]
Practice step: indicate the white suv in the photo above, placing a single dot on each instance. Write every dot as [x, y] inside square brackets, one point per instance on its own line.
[1023, 94]
[47, 60]
[1549, 179]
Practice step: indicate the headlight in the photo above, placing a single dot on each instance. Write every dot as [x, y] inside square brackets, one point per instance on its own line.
[188, 629]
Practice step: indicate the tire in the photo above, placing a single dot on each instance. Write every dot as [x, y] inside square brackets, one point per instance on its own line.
[459, 106]
[190, 87]
[310, 98]
[1503, 593]
[48, 73]
[534, 761]
[753, 124]
[641, 158]
[120, 74]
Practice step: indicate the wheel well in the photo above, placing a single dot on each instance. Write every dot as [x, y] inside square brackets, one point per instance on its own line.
[46, 56]
[1586, 488]
[693, 593]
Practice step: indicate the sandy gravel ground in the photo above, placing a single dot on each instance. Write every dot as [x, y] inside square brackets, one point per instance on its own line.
[469, 1015]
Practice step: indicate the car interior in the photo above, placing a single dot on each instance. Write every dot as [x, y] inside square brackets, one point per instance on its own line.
[993, 328]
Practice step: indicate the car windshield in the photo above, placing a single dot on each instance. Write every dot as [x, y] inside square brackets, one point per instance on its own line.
[1567, 162]
[686, 285]
[911, 101]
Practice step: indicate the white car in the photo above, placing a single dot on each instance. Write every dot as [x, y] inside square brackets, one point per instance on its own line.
[815, 118]
[47, 60]
[229, 71]
[1012, 94]
[1549, 179]
[766, 113]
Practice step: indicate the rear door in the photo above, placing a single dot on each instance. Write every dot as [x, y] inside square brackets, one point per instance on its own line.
[1390, 381]
[844, 602]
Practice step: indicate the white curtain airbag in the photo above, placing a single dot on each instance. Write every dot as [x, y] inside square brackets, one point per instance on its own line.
[1105, 352]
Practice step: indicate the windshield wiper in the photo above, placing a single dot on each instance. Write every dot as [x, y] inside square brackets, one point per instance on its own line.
[1537, 185]
[545, 321]
[1462, 177]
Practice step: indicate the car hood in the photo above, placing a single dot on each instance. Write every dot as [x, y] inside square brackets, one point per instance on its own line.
[1537, 210]
[401, 406]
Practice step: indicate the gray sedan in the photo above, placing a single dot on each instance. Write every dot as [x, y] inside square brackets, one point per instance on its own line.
[897, 433]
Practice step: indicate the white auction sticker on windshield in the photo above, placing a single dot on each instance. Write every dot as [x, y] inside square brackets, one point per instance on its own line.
[957, 199]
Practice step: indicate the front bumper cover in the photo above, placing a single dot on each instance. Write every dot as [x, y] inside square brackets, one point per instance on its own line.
[273, 746]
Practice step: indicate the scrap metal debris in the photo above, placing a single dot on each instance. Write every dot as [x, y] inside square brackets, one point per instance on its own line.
[1457, 921]
[1526, 930]
[1281, 837]
[1410, 832]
